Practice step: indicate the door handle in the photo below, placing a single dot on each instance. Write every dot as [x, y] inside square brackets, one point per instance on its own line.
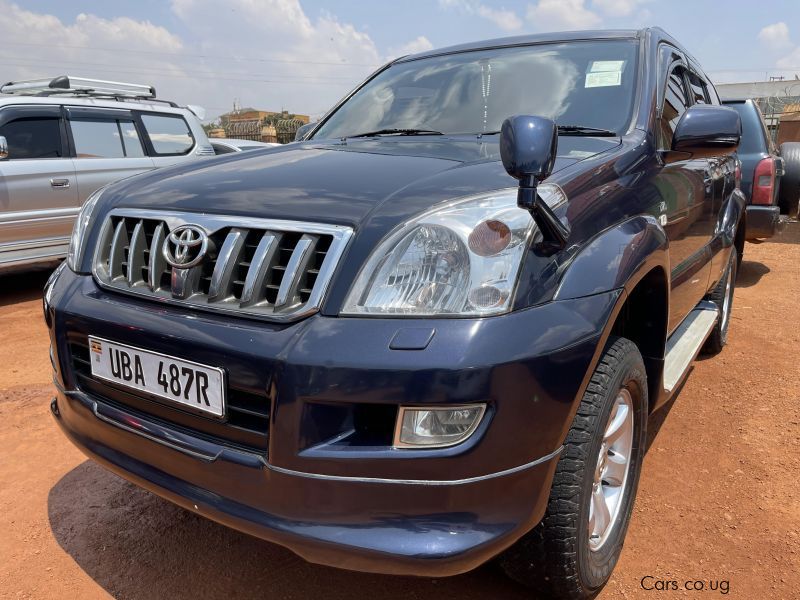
[59, 183]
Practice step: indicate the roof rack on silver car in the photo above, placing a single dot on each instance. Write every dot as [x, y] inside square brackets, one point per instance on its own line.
[82, 86]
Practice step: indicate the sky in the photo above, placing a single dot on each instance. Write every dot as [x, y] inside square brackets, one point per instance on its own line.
[304, 55]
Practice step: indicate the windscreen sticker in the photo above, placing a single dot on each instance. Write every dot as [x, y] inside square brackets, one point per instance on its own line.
[604, 66]
[603, 79]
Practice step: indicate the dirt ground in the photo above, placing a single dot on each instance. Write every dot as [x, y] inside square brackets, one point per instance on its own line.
[718, 501]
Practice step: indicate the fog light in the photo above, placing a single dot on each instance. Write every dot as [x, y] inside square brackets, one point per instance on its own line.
[436, 427]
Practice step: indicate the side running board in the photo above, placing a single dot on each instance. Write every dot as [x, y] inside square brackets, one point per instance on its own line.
[684, 345]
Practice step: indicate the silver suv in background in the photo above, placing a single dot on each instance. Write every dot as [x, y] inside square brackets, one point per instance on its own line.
[62, 139]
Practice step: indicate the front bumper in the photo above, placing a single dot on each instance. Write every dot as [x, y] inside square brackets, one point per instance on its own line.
[404, 528]
[762, 221]
[338, 498]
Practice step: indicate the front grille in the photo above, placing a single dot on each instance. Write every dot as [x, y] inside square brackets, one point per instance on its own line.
[246, 423]
[267, 268]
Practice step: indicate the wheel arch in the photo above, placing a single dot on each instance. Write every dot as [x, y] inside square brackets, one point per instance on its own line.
[632, 256]
[741, 234]
[643, 318]
[732, 220]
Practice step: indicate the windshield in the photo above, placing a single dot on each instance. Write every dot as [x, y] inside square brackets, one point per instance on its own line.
[587, 83]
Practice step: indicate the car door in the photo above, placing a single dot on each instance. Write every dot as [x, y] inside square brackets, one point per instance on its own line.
[168, 137]
[38, 195]
[107, 147]
[686, 188]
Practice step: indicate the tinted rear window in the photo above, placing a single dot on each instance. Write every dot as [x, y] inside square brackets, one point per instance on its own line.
[97, 139]
[753, 135]
[168, 134]
[105, 139]
[33, 138]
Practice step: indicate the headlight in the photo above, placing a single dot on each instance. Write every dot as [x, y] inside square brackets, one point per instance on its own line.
[436, 427]
[77, 242]
[462, 258]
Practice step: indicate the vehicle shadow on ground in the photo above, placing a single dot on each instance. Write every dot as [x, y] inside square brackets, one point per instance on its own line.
[658, 418]
[136, 545]
[750, 273]
[22, 287]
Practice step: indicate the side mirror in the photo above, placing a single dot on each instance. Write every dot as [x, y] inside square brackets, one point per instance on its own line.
[303, 130]
[3, 148]
[705, 131]
[528, 147]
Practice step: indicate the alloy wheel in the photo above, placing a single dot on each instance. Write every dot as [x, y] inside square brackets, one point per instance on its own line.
[611, 472]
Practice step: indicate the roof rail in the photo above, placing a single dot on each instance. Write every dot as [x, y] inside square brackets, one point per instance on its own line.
[81, 86]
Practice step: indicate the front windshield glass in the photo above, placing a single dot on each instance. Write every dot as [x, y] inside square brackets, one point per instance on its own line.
[587, 83]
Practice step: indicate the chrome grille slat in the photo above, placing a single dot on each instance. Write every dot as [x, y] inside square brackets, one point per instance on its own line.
[185, 282]
[263, 258]
[287, 292]
[265, 268]
[225, 267]
[157, 262]
[136, 254]
[117, 252]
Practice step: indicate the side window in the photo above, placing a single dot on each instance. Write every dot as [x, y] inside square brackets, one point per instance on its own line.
[698, 89]
[96, 139]
[105, 139]
[168, 134]
[130, 139]
[675, 104]
[38, 137]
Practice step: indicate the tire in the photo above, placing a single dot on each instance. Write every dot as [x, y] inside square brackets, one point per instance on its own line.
[722, 296]
[789, 190]
[557, 558]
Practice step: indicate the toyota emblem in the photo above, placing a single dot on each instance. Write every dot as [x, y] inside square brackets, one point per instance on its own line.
[185, 246]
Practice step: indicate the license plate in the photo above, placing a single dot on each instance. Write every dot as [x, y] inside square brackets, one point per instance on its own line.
[181, 381]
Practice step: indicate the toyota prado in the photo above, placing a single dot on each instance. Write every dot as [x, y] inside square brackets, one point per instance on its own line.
[432, 332]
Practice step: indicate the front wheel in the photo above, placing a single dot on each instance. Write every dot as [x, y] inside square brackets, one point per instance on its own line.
[574, 549]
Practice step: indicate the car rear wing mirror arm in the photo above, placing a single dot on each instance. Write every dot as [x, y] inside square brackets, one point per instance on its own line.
[528, 147]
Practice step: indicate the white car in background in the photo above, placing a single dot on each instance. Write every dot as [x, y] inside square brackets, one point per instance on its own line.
[228, 145]
[62, 139]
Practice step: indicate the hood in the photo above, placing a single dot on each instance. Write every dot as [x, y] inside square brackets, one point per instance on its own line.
[371, 185]
[337, 182]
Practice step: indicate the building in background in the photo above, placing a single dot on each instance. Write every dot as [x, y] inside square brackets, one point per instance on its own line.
[259, 125]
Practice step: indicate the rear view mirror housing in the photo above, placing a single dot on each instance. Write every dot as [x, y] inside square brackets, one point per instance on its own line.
[3, 148]
[705, 131]
[528, 148]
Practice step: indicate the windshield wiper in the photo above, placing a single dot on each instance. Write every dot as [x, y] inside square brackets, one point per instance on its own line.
[395, 131]
[583, 130]
[571, 130]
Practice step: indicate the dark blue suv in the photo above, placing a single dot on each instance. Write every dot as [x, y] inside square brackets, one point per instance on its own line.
[762, 170]
[431, 333]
